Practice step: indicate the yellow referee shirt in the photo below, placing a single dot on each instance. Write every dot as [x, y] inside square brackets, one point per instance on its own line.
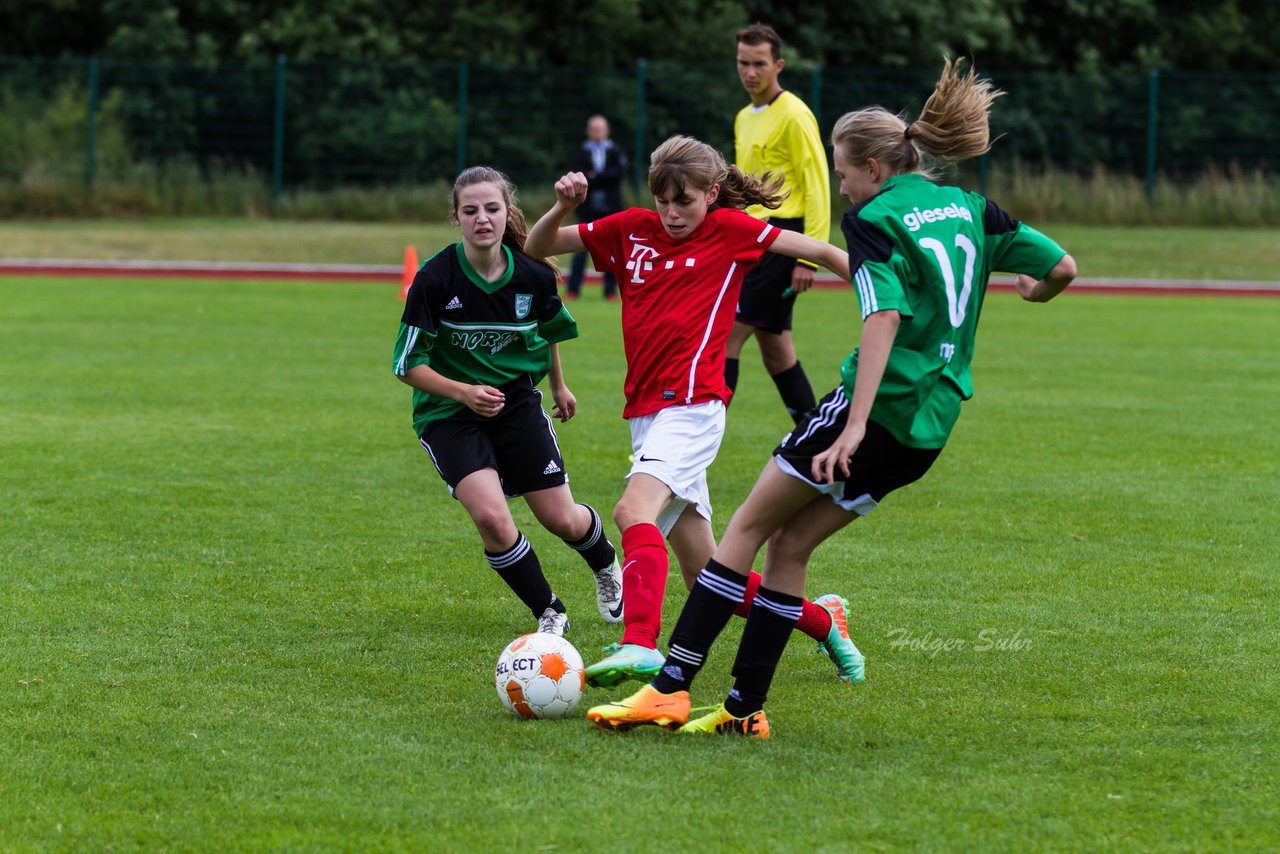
[782, 137]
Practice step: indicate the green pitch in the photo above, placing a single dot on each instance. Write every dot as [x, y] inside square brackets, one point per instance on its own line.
[240, 611]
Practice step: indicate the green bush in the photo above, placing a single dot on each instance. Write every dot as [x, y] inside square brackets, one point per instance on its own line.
[1215, 198]
[43, 138]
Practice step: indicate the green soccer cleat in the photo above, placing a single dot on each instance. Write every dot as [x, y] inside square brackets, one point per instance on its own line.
[720, 722]
[837, 645]
[626, 661]
[646, 706]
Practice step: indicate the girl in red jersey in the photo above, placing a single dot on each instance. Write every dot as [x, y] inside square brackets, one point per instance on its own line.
[679, 270]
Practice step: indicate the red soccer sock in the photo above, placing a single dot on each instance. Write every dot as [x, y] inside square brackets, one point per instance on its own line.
[753, 584]
[815, 620]
[644, 582]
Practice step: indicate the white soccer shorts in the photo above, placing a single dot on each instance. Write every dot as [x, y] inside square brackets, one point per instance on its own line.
[677, 445]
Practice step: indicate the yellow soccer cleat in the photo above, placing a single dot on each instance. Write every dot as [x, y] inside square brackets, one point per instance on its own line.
[646, 706]
[720, 722]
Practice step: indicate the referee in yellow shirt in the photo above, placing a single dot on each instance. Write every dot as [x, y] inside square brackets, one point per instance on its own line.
[777, 133]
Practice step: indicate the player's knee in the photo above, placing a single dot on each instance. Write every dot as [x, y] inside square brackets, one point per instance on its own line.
[495, 525]
[788, 547]
[628, 512]
[623, 514]
[746, 531]
[568, 523]
[775, 366]
[738, 335]
[776, 351]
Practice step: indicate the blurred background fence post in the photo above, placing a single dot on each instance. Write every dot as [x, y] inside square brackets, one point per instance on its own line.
[463, 74]
[277, 148]
[1153, 115]
[91, 126]
[639, 155]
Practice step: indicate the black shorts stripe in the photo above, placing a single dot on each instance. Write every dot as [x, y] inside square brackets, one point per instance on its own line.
[831, 411]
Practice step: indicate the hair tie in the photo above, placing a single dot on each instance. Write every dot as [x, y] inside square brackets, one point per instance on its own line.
[906, 133]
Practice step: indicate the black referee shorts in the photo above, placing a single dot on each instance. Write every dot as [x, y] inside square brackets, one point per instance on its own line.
[880, 465]
[761, 303]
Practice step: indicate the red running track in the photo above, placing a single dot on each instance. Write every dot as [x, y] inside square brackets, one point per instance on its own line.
[392, 274]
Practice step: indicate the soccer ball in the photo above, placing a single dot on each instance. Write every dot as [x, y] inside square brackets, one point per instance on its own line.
[539, 676]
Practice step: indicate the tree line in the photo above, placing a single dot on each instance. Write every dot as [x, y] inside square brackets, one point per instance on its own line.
[1070, 36]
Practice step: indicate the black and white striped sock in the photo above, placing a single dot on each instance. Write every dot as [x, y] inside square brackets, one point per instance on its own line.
[773, 616]
[712, 601]
[594, 546]
[519, 568]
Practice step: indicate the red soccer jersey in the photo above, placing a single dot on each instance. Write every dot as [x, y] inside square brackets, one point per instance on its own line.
[678, 299]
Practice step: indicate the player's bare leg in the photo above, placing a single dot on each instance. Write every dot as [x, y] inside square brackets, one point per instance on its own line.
[582, 530]
[786, 567]
[694, 542]
[506, 549]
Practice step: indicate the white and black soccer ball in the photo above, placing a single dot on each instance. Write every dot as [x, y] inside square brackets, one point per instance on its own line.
[540, 675]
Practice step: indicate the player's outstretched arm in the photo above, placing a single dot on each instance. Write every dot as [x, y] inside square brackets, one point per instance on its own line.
[547, 237]
[795, 245]
[1051, 285]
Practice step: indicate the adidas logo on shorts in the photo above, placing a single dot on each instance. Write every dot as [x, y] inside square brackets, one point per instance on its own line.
[551, 468]
[453, 303]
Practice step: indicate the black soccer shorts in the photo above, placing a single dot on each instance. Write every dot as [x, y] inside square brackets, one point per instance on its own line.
[761, 302]
[519, 443]
[880, 465]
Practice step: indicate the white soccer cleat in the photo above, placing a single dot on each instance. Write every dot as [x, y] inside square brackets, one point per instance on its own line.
[609, 592]
[552, 622]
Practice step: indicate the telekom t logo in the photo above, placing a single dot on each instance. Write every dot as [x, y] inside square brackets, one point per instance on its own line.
[641, 260]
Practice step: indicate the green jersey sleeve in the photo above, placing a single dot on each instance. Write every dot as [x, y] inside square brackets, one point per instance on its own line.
[561, 327]
[1015, 247]
[413, 348]
[877, 268]
[418, 326]
[555, 323]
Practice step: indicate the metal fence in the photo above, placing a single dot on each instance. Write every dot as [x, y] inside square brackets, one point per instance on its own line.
[326, 124]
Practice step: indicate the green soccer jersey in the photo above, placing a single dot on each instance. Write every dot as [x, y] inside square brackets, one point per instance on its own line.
[927, 252]
[475, 331]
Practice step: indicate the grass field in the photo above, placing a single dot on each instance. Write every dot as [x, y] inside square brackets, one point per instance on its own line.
[240, 611]
[1188, 253]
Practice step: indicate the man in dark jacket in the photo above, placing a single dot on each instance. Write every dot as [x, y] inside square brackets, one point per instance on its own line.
[605, 165]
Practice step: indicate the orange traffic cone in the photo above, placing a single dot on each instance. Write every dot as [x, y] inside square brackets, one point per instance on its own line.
[410, 270]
